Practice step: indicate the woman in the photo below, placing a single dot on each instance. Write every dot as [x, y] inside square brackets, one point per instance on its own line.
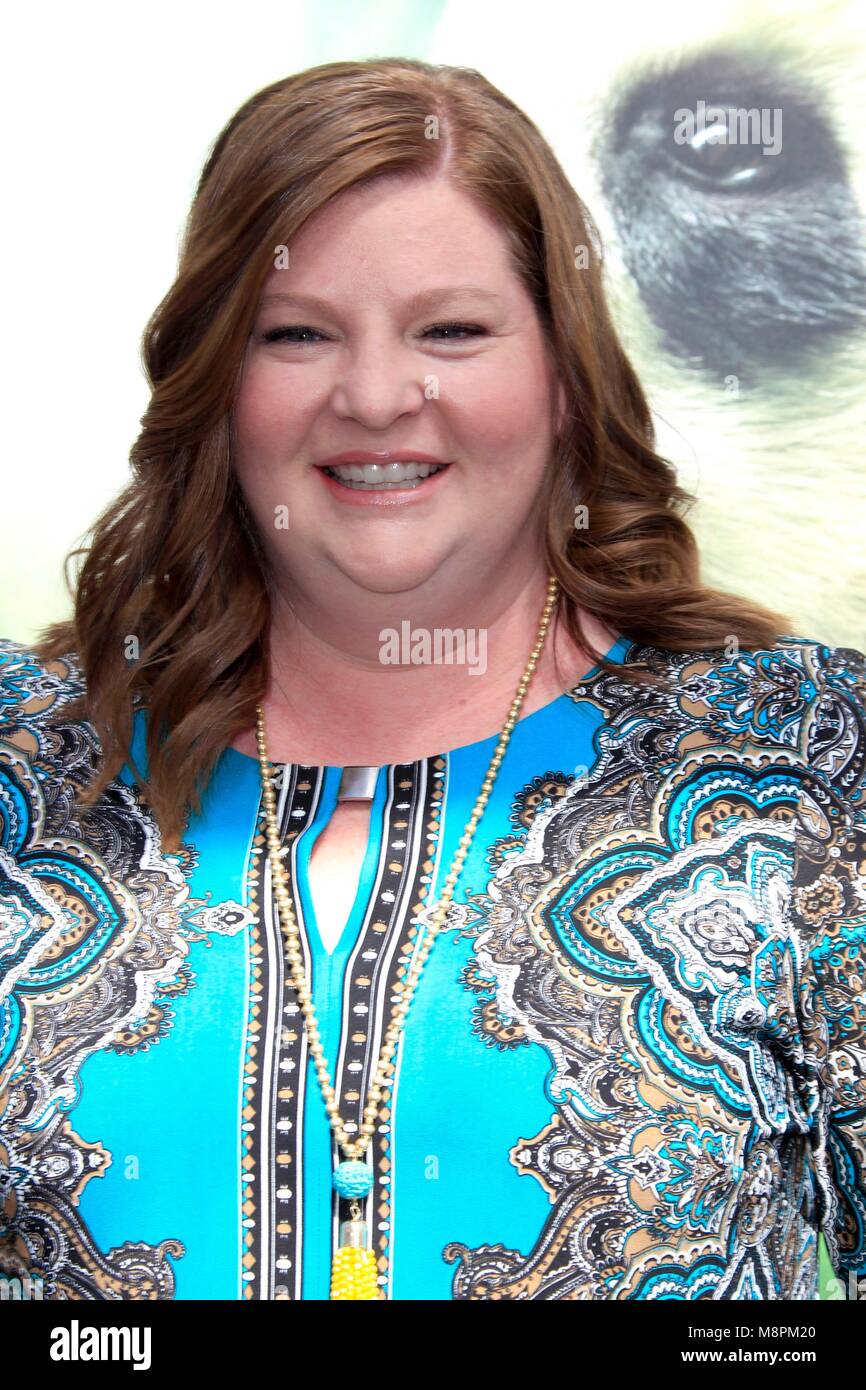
[349, 975]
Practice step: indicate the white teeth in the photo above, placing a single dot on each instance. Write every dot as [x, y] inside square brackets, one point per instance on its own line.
[383, 475]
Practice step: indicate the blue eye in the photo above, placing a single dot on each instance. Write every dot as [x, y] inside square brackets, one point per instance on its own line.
[277, 335]
[458, 332]
[473, 330]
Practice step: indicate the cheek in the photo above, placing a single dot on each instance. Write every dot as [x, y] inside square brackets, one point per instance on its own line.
[261, 439]
[505, 410]
[267, 421]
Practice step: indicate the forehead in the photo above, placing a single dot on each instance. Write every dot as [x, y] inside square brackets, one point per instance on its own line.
[395, 234]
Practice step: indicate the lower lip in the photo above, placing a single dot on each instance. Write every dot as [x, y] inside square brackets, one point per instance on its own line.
[387, 497]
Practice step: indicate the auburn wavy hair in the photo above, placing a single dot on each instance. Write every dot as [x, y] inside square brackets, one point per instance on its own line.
[175, 561]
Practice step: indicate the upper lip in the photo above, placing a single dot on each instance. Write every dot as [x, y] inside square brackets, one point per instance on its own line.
[383, 456]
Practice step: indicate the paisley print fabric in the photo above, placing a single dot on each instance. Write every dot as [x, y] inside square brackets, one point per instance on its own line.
[635, 1066]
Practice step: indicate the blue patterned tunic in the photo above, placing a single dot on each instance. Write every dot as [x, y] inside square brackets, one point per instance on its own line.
[635, 1066]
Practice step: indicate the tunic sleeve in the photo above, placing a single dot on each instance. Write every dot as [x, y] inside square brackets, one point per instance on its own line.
[828, 915]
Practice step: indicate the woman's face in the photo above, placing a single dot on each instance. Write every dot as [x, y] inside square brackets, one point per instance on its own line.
[365, 368]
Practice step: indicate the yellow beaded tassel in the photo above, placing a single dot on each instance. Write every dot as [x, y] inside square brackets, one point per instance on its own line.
[353, 1271]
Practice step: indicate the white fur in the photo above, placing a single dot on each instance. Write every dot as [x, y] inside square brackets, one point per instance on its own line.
[779, 470]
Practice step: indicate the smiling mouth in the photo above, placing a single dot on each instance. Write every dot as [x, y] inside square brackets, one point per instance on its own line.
[384, 477]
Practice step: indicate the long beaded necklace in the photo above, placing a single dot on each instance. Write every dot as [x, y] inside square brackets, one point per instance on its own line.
[353, 1271]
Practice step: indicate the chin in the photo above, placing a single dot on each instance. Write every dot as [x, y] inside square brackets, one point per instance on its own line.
[379, 575]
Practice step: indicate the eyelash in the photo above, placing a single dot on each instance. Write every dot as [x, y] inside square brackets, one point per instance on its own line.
[276, 335]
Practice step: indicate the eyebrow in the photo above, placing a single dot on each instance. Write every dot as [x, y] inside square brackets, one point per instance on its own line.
[414, 304]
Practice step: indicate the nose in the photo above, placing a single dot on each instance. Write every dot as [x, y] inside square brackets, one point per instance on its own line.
[379, 381]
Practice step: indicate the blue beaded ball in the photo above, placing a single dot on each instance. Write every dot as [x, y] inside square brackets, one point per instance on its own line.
[352, 1178]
